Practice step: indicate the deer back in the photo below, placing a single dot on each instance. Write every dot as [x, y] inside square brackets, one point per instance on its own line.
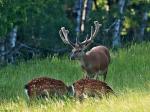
[45, 86]
[91, 87]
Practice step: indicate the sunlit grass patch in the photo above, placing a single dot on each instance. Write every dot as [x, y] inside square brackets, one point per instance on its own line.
[127, 102]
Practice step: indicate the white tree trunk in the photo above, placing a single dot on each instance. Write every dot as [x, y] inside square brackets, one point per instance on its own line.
[77, 9]
[82, 8]
[85, 13]
[10, 43]
[143, 26]
[116, 36]
[13, 37]
[2, 50]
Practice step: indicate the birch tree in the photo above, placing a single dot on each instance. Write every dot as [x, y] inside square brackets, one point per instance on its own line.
[82, 8]
[10, 43]
[2, 50]
[118, 24]
[143, 26]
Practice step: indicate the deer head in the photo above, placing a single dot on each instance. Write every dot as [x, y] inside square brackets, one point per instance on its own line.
[79, 47]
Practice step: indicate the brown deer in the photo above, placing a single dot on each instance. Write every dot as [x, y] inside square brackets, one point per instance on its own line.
[45, 87]
[93, 62]
[91, 88]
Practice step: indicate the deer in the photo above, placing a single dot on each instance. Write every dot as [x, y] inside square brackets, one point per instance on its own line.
[93, 62]
[86, 87]
[45, 87]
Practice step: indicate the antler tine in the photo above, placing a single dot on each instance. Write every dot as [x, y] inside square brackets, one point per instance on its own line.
[86, 39]
[91, 30]
[64, 36]
[61, 36]
[97, 26]
[87, 42]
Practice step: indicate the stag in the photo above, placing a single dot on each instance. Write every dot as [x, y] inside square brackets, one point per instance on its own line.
[45, 87]
[90, 88]
[93, 62]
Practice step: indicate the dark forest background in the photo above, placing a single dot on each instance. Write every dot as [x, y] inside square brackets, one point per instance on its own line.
[29, 28]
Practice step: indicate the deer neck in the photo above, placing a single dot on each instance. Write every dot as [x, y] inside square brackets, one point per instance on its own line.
[83, 59]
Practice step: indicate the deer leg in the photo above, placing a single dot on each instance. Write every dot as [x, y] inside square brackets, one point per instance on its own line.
[105, 75]
[45, 94]
[80, 98]
[86, 75]
[96, 76]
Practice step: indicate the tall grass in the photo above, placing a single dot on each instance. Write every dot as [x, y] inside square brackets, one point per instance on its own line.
[129, 76]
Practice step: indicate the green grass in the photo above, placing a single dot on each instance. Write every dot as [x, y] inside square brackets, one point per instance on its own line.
[129, 76]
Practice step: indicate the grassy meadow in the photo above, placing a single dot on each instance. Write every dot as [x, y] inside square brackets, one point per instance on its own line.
[128, 75]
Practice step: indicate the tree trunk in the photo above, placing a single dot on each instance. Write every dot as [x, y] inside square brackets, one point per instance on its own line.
[82, 8]
[143, 26]
[85, 12]
[10, 43]
[2, 50]
[13, 37]
[116, 35]
[77, 9]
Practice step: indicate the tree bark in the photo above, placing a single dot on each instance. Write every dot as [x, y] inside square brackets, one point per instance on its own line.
[143, 26]
[82, 8]
[2, 50]
[85, 12]
[78, 10]
[10, 43]
[116, 42]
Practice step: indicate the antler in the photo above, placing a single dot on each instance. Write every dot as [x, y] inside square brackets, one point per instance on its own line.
[87, 41]
[64, 36]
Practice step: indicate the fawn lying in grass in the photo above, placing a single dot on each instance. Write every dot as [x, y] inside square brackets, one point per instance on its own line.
[45, 87]
[48, 87]
[90, 88]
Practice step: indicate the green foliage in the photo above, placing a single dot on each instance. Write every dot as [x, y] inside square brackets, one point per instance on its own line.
[38, 21]
[108, 12]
